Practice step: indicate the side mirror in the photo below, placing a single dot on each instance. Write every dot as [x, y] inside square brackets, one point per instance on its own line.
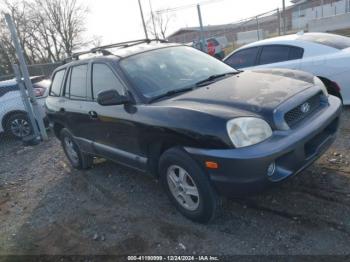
[111, 97]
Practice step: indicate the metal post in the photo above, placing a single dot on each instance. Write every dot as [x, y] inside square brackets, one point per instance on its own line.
[202, 40]
[25, 74]
[143, 20]
[152, 15]
[257, 27]
[25, 100]
[322, 4]
[279, 21]
[284, 16]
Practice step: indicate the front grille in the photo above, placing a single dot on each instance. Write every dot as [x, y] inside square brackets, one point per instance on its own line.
[303, 110]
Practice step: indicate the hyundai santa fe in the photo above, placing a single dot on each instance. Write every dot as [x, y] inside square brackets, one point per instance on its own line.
[203, 129]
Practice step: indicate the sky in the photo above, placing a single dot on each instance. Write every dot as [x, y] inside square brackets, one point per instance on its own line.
[120, 20]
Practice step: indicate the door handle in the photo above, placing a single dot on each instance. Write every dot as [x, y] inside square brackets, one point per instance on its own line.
[93, 115]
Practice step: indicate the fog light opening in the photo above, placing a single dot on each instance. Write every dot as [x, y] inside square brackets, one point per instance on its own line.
[271, 169]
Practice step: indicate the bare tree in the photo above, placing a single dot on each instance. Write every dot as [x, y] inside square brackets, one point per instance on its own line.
[65, 18]
[161, 23]
[49, 30]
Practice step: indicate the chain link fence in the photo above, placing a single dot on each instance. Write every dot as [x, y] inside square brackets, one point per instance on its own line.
[36, 70]
[309, 16]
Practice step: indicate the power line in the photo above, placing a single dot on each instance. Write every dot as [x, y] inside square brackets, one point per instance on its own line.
[174, 9]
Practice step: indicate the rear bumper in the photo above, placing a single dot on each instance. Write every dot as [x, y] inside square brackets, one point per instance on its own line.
[244, 170]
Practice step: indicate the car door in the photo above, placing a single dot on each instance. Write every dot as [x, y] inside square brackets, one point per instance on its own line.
[76, 103]
[113, 129]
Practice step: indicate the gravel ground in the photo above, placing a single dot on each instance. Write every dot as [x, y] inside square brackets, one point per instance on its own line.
[48, 208]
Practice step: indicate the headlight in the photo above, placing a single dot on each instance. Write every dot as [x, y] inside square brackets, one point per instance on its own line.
[247, 131]
[321, 85]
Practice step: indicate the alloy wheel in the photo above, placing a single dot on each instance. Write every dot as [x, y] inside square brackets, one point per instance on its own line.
[183, 188]
[20, 128]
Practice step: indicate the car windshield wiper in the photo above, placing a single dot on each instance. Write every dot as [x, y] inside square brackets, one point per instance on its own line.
[211, 78]
[172, 92]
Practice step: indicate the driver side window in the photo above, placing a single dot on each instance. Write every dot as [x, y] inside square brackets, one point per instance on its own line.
[104, 79]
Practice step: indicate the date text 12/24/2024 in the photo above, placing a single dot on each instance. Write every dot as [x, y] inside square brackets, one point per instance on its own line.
[173, 258]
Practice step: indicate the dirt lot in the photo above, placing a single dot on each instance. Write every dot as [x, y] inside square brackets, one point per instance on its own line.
[48, 208]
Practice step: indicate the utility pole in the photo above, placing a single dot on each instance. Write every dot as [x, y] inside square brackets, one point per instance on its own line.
[143, 20]
[25, 100]
[279, 21]
[202, 40]
[284, 16]
[26, 77]
[152, 15]
[257, 27]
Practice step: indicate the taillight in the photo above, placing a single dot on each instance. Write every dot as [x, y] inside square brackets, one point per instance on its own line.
[336, 86]
[39, 91]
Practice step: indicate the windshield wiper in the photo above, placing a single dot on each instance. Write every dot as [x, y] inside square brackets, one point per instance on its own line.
[171, 93]
[211, 78]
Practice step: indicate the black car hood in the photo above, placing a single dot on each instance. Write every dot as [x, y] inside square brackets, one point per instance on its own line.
[250, 91]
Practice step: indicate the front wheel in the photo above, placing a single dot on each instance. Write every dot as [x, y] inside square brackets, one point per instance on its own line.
[187, 186]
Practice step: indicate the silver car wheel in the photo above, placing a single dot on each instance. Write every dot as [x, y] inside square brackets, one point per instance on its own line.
[20, 127]
[183, 188]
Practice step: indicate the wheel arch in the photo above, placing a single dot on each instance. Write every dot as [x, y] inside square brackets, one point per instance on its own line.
[332, 87]
[9, 114]
[57, 127]
[155, 150]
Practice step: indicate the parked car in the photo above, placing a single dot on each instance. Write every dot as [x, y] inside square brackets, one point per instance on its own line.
[324, 55]
[204, 129]
[214, 47]
[13, 116]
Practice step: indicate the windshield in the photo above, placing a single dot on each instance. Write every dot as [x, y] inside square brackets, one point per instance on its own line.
[169, 69]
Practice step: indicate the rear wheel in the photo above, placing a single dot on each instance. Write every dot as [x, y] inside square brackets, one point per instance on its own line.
[76, 157]
[18, 125]
[188, 186]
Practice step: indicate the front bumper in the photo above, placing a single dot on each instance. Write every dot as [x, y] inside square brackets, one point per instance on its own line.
[244, 170]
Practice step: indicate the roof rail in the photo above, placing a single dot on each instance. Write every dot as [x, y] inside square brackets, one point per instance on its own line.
[103, 51]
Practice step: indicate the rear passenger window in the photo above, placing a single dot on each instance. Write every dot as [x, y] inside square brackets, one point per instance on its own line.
[104, 79]
[78, 82]
[57, 83]
[280, 53]
[274, 54]
[243, 58]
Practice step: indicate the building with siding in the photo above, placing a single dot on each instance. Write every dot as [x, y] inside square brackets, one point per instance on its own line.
[308, 15]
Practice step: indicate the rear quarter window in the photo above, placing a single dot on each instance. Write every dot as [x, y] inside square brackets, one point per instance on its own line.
[57, 83]
[296, 53]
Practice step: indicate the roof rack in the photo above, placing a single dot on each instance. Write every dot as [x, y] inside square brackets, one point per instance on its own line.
[103, 51]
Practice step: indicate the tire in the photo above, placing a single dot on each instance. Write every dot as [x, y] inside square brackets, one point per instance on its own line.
[76, 157]
[18, 126]
[206, 204]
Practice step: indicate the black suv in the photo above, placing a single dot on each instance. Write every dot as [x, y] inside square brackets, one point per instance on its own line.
[204, 129]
